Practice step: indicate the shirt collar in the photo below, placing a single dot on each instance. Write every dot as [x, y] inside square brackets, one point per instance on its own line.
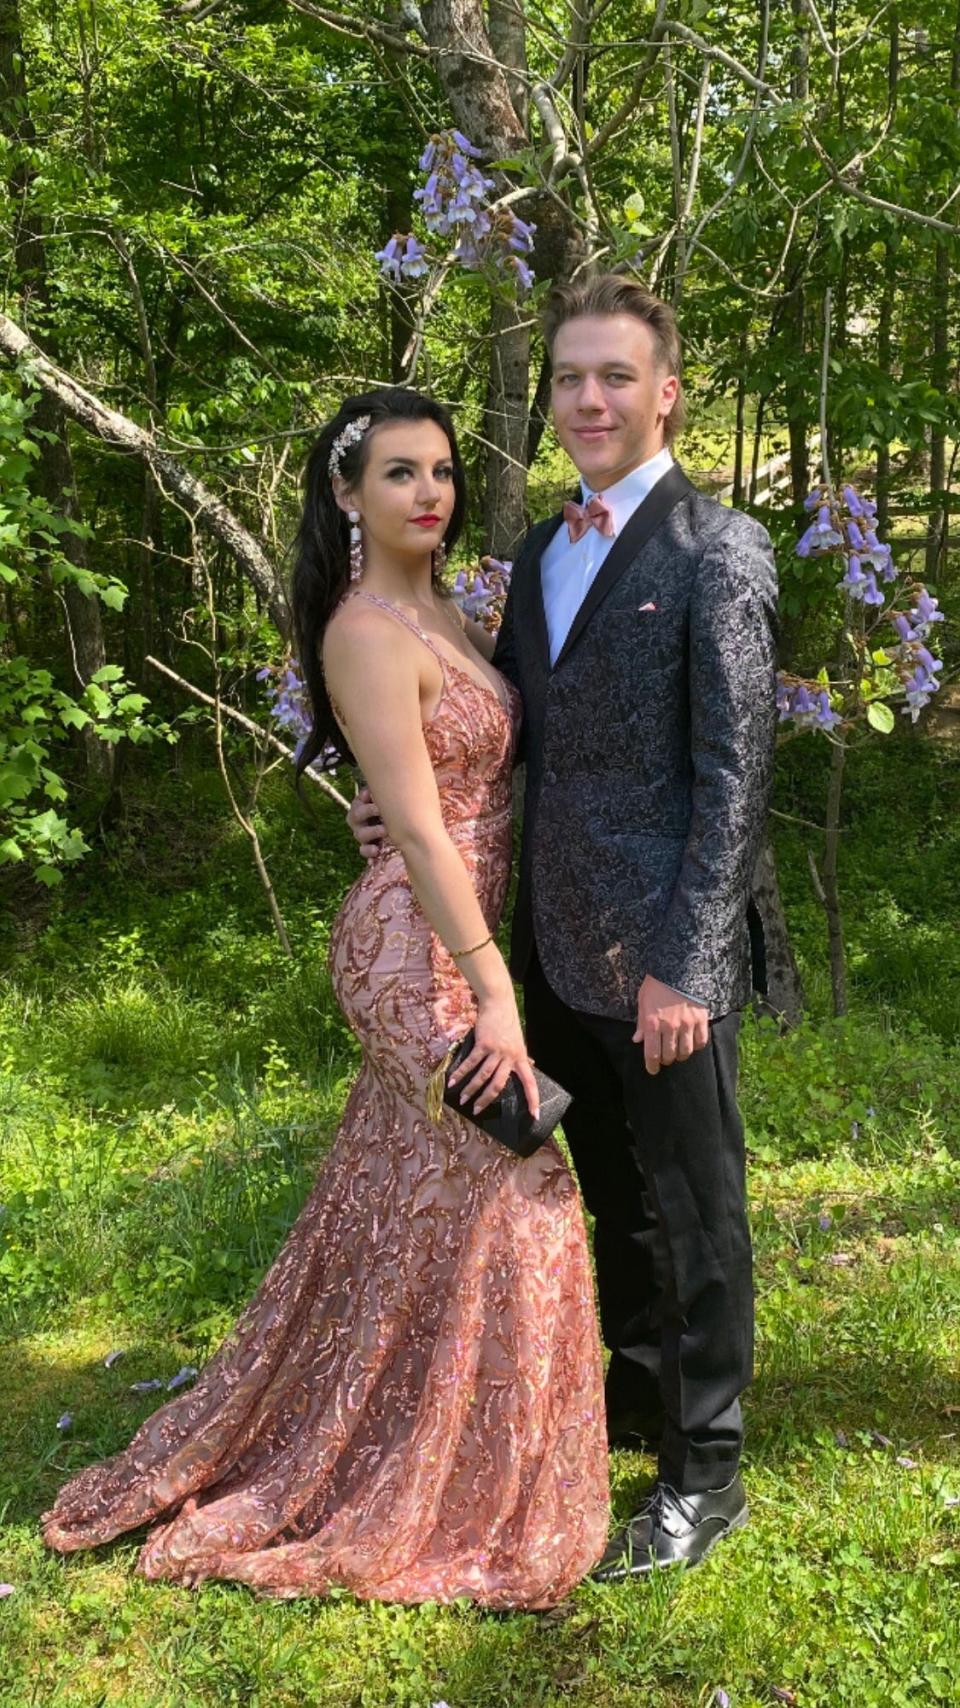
[627, 494]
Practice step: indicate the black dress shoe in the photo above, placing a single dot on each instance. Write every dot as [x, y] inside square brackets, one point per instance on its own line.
[635, 1431]
[673, 1529]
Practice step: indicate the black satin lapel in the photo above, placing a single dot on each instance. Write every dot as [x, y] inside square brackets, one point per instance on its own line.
[645, 520]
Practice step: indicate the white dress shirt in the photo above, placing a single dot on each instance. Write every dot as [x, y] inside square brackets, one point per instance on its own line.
[567, 571]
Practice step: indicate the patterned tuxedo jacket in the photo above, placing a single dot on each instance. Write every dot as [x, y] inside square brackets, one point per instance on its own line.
[649, 755]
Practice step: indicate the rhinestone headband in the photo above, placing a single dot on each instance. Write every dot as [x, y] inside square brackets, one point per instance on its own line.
[351, 435]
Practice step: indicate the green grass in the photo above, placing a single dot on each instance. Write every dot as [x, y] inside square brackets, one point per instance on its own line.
[168, 1085]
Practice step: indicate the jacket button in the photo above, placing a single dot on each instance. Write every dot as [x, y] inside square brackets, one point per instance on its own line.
[550, 776]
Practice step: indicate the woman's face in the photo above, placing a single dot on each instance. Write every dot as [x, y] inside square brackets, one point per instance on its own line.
[406, 493]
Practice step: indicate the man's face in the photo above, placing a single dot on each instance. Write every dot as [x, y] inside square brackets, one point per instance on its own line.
[610, 396]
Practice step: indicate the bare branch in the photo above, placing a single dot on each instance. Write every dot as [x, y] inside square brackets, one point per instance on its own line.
[346, 24]
[250, 725]
[629, 104]
[684, 34]
[563, 158]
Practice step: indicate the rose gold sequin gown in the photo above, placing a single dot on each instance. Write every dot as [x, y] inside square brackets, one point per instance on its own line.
[411, 1406]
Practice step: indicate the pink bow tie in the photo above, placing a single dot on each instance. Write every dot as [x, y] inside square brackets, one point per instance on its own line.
[594, 514]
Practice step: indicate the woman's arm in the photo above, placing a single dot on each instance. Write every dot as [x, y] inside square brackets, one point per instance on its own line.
[373, 674]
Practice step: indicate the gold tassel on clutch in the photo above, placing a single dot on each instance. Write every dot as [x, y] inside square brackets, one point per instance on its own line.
[437, 1085]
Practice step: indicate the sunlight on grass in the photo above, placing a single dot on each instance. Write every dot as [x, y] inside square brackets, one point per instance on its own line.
[168, 1085]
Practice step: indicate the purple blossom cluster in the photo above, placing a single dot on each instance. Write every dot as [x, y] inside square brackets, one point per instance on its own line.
[918, 667]
[806, 706]
[287, 696]
[455, 203]
[481, 593]
[845, 527]
[856, 535]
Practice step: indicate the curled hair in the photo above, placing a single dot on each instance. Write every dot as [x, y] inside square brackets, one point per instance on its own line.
[612, 293]
[321, 572]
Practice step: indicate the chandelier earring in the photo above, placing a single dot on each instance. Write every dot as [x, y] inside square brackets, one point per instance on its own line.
[356, 546]
[439, 562]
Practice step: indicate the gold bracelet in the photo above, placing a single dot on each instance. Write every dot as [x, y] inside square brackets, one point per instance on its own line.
[458, 954]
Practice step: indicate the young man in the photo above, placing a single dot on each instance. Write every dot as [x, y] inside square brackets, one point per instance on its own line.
[640, 630]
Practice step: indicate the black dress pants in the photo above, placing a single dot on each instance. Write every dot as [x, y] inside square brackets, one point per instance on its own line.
[660, 1160]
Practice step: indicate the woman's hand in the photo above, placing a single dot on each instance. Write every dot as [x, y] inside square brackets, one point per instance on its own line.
[365, 822]
[498, 1052]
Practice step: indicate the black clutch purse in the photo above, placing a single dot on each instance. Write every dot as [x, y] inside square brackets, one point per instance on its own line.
[508, 1117]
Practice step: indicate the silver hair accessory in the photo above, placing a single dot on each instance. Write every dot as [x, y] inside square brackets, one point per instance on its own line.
[356, 545]
[351, 435]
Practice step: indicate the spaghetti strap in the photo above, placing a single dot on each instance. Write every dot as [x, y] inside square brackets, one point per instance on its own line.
[408, 623]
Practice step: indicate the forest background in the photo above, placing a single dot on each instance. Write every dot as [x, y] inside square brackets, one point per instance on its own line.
[193, 196]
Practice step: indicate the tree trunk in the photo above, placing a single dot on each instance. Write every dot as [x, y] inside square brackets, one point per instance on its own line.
[741, 423]
[505, 517]
[940, 365]
[508, 38]
[478, 86]
[884, 358]
[827, 884]
[939, 379]
[784, 989]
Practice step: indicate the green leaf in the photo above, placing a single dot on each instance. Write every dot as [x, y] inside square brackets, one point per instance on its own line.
[108, 673]
[114, 595]
[880, 717]
[48, 875]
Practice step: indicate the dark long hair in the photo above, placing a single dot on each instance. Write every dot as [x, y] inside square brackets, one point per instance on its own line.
[321, 572]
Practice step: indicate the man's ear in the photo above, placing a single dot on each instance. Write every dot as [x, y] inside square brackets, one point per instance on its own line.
[668, 394]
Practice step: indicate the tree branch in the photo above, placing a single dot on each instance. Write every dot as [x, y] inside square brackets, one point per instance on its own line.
[125, 435]
[346, 24]
[250, 725]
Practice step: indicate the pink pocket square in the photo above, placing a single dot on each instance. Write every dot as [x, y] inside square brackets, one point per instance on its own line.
[649, 606]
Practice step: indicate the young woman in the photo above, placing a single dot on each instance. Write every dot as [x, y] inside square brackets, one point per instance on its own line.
[411, 1406]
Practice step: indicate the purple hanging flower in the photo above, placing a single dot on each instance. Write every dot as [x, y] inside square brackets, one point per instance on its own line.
[464, 145]
[65, 1422]
[826, 717]
[877, 553]
[524, 273]
[389, 258]
[854, 579]
[853, 501]
[821, 536]
[414, 264]
[813, 499]
[919, 691]
[925, 614]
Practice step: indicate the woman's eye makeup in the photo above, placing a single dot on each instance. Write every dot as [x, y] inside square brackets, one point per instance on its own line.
[444, 471]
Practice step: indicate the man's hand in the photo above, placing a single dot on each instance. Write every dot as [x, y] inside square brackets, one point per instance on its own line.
[669, 1026]
[365, 822]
